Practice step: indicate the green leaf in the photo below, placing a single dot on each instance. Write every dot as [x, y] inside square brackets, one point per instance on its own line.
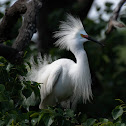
[89, 122]
[34, 121]
[117, 112]
[47, 120]
[103, 120]
[40, 117]
[34, 114]
[119, 100]
[1, 64]
[2, 123]
[108, 4]
[7, 3]
[1, 15]
[27, 83]
[69, 113]
[120, 124]
[2, 88]
[25, 55]
[50, 122]
[11, 104]
[27, 92]
[33, 83]
[2, 97]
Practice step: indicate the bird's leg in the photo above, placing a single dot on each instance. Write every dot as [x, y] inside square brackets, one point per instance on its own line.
[70, 104]
[73, 103]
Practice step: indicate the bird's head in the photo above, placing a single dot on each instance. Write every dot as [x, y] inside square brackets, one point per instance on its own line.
[72, 33]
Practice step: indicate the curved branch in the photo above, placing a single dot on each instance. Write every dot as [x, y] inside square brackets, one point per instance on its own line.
[10, 18]
[28, 27]
[14, 54]
[113, 19]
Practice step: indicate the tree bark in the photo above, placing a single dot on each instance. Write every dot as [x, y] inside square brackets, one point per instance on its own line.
[26, 31]
[28, 27]
[10, 18]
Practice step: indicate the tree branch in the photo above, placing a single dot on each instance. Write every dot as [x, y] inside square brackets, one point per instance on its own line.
[14, 54]
[113, 19]
[10, 18]
[28, 27]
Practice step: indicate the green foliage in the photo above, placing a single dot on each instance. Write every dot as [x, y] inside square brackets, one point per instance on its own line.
[108, 65]
[14, 113]
[54, 117]
[117, 112]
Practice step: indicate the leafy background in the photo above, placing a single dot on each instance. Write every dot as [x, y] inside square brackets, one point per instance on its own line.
[108, 68]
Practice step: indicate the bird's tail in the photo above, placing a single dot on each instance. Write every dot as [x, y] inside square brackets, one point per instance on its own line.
[35, 68]
[36, 72]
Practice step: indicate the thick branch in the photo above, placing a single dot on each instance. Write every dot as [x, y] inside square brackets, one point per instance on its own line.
[113, 19]
[10, 18]
[14, 54]
[28, 27]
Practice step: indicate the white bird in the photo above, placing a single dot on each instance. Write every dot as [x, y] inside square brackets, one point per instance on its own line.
[64, 78]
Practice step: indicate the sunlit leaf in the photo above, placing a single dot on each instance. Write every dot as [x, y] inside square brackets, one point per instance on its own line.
[89, 122]
[103, 120]
[1, 65]
[69, 113]
[2, 123]
[34, 121]
[117, 112]
[120, 124]
[34, 114]
[119, 100]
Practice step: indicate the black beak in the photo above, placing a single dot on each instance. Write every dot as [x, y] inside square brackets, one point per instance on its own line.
[93, 40]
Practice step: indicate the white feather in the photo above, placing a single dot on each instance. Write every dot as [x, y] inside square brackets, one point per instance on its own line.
[68, 31]
[65, 79]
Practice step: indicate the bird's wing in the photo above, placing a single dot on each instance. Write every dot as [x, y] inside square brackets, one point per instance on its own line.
[51, 81]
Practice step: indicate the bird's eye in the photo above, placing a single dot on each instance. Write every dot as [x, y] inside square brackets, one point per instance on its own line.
[84, 36]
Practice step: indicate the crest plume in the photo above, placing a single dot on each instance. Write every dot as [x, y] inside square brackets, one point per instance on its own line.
[67, 31]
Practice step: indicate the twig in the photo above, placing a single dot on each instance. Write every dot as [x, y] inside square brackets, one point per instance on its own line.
[113, 19]
[28, 28]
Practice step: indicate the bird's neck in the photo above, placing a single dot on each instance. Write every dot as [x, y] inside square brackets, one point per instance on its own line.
[82, 77]
[81, 56]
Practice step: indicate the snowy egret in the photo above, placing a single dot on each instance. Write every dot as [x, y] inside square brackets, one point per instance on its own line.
[64, 78]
